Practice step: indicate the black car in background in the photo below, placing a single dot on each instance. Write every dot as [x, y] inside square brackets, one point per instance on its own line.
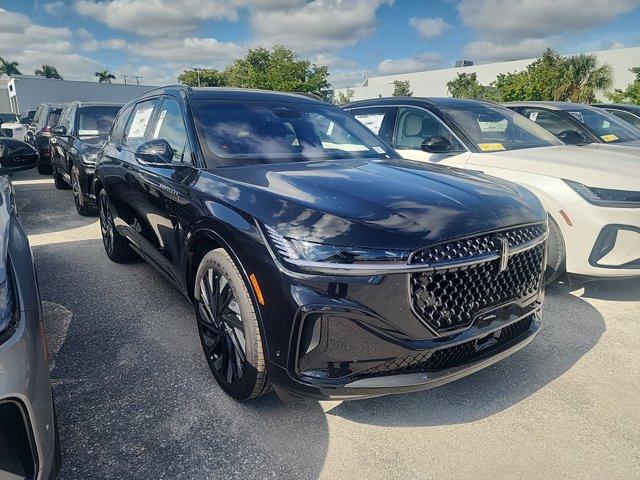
[26, 118]
[576, 123]
[29, 442]
[319, 261]
[45, 118]
[627, 112]
[81, 131]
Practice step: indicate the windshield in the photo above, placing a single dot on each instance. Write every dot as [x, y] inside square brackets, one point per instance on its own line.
[96, 121]
[9, 118]
[244, 133]
[493, 128]
[608, 127]
[53, 117]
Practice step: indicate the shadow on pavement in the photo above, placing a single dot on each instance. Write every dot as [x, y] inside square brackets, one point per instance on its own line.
[571, 328]
[617, 290]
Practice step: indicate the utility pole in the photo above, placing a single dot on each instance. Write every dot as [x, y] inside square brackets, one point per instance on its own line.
[125, 78]
[137, 79]
[198, 73]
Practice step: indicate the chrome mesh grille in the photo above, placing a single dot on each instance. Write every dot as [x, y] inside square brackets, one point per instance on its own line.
[449, 299]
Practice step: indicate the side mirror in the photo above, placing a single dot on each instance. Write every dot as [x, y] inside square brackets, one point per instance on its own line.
[155, 152]
[60, 131]
[16, 156]
[572, 137]
[437, 144]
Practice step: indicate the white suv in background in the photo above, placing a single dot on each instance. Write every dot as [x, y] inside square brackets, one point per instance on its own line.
[592, 194]
[11, 126]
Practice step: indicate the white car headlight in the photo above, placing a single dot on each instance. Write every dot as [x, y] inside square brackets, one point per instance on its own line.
[606, 197]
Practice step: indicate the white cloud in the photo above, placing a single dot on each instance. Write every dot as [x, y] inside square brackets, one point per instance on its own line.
[611, 45]
[424, 61]
[198, 51]
[490, 51]
[333, 61]
[509, 20]
[429, 28]
[348, 78]
[54, 8]
[318, 25]
[156, 18]
[34, 45]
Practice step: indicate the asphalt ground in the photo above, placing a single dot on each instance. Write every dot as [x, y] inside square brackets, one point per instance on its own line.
[136, 399]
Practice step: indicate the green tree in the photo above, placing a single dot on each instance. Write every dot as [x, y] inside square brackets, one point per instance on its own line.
[48, 71]
[466, 85]
[631, 94]
[583, 78]
[344, 97]
[203, 77]
[278, 69]
[9, 68]
[402, 88]
[105, 76]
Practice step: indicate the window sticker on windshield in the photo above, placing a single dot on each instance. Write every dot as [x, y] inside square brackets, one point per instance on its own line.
[609, 137]
[491, 147]
[379, 149]
[373, 121]
[578, 115]
[533, 116]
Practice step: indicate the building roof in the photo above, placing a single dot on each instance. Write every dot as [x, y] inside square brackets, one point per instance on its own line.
[435, 102]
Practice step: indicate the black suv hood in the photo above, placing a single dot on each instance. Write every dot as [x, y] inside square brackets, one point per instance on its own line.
[381, 204]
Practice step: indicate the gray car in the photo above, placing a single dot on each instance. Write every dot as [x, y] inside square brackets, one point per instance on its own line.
[29, 447]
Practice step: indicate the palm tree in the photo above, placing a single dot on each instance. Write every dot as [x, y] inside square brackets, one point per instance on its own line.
[9, 68]
[105, 77]
[48, 71]
[583, 77]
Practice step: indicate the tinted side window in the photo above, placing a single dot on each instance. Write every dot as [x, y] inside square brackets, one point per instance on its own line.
[626, 116]
[415, 126]
[120, 122]
[548, 120]
[380, 120]
[53, 117]
[170, 127]
[136, 129]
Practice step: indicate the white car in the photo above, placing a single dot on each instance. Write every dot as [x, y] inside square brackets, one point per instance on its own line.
[11, 126]
[591, 192]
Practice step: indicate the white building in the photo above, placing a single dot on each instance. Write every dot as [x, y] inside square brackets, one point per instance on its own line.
[433, 83]
[26, 92]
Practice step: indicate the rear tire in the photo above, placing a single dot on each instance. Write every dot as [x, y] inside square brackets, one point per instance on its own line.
[230, 335]
[115, 245]
[556, 253]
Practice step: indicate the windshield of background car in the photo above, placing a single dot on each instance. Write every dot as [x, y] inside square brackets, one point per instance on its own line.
[608, 127]
[53, 117]
[8, 118]
[95, 121]
[251, 132]
[494, 129]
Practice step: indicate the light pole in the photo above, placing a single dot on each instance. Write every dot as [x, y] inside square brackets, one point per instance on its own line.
[198, 74]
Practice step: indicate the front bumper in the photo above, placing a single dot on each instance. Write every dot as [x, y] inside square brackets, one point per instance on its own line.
[602, 242]
[25, 396]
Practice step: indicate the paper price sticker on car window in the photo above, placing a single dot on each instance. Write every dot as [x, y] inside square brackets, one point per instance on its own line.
[610, 137]
[491, 147]
[139, 123]
[373, 121]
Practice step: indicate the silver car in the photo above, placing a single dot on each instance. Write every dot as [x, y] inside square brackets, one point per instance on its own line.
[29, 447]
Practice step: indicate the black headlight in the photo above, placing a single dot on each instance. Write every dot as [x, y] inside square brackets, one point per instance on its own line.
[606, 197]
[9, 309]
[312, 257]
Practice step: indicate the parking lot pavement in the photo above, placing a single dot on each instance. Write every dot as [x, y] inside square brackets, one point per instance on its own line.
[136, 400]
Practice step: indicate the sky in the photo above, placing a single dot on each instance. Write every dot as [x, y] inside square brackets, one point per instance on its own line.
[157, 39]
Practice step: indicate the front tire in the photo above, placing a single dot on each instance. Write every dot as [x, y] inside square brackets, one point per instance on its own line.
[228, 327]
[78, 197]
[59, 181]
[116, 246]
[556, 253]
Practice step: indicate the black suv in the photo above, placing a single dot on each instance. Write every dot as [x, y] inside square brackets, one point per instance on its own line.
[39, 132]
[319, 261]
[81, 131]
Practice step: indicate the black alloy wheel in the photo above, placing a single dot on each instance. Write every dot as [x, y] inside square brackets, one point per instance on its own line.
[78, 198]
[228, 327]
[222, 328]
[116, 246]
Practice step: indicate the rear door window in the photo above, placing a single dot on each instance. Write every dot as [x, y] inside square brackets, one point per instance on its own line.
[169, 126]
